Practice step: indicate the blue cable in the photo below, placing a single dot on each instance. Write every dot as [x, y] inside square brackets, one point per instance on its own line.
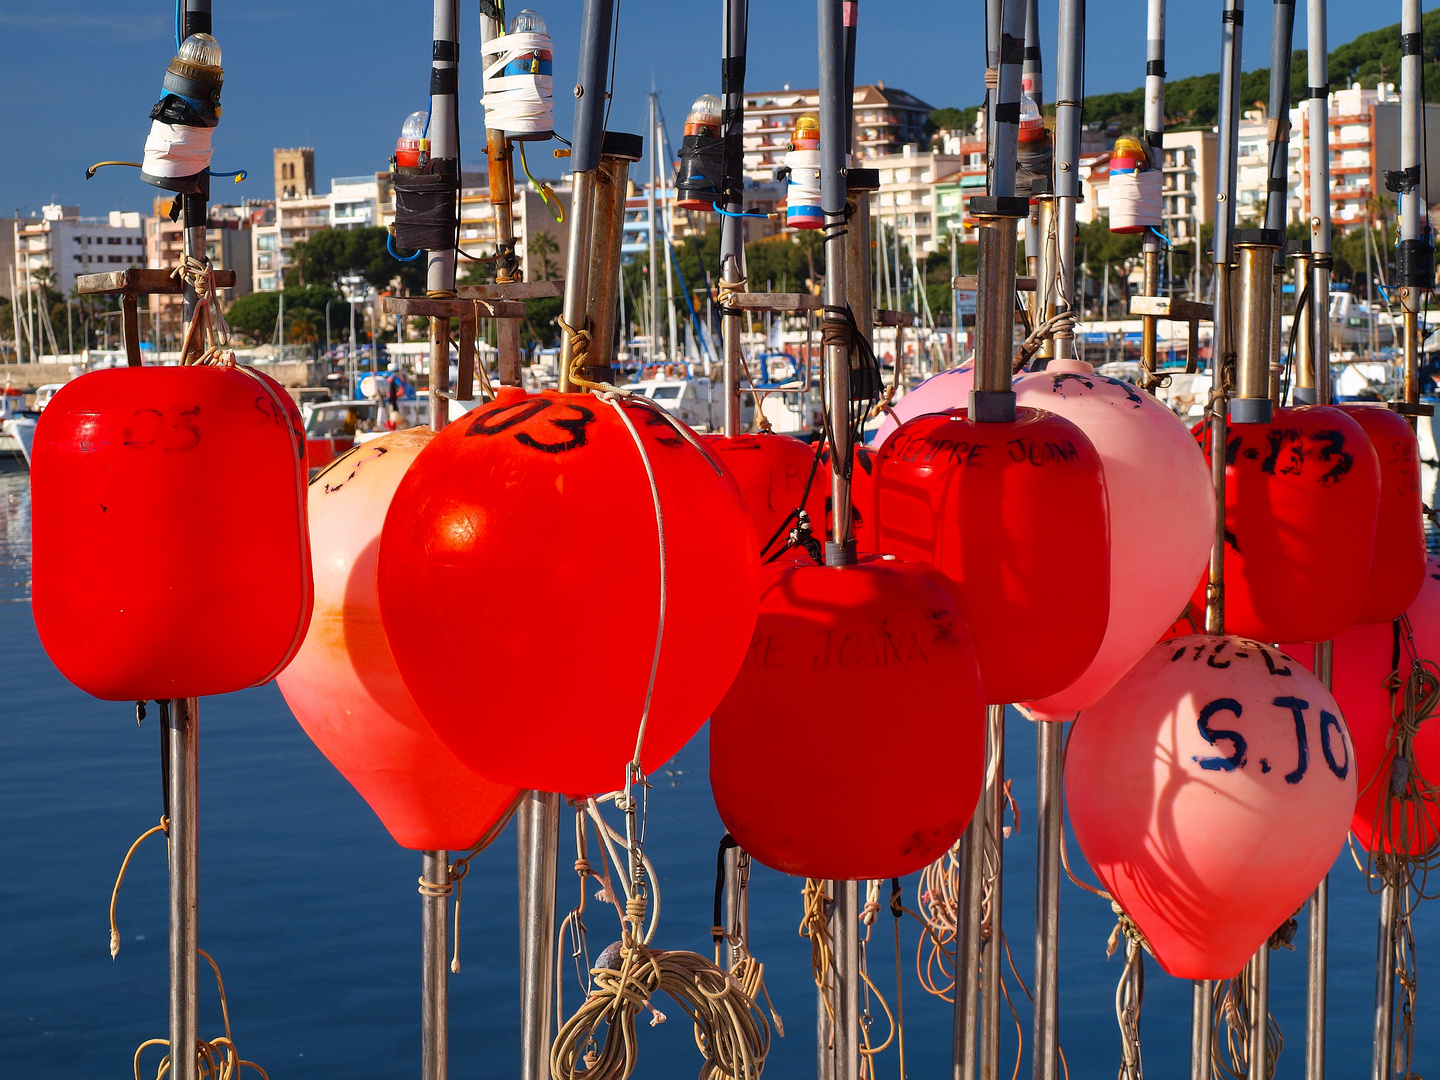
[1160, 236]
[390, 247]
[730, 213]
[238, 174]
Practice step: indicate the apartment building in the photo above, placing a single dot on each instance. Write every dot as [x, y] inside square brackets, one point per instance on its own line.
[227, 245]
[905, 201]
[60, 245]
[886, 119]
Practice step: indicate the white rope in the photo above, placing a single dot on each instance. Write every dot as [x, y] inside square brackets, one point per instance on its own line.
[518, 97]
[1060, 324]
[176, 149]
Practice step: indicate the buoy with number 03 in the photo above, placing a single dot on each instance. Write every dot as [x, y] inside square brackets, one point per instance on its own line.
[522, 548]
[803, 779]
[1211, 791]
[343, 686]
[171, 557]
[983, 504]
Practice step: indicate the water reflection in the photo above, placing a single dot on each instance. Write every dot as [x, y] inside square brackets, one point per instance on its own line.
[14, 534]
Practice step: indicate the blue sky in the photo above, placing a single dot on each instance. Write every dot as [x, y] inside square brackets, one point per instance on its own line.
[79, 77]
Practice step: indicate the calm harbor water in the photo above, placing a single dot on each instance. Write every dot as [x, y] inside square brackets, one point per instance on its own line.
[312, 912]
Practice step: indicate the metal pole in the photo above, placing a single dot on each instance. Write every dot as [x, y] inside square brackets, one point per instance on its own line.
[737, 894]
[444, 148]
[1277, 212]
[1032, 85]
[859, 183]
[538, 843]
[434, 966]
[1318, 118]
[1045, 267]
[602, 300]
[1155, 140]
[1201, 1027]
[1318, 910]
[1007, 102]
[1259, 992]
[835, 103]
[966, 1029]
[955, 298]
[993, 840]
[1415, 257]
[992, 74]
[651, 217]
[502, 200]
[1048, 759]
[1384, 1048]
[588, 135]
[182, 738]
[1069, 80]
[734, 33]
[1257, 251]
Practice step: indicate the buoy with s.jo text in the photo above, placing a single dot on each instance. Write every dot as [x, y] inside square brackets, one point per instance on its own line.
[1211, 791]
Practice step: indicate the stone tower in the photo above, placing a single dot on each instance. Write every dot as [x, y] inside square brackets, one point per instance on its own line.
[294, 172]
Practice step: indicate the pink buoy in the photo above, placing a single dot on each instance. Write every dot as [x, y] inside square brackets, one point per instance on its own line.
[1162, 514]
[1211, 791]
[343, 685]
[1162, 510]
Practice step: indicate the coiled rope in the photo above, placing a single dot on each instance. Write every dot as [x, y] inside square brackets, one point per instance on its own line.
[731, 1031]
[206, 317]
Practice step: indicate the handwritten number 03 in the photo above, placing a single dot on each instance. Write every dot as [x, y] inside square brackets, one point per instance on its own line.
[1237, 757]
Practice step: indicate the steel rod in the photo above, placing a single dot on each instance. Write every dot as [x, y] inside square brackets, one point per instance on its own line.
[538, 844]
[1415, 256]
[992, 849]
[1259, 992]
[182, 736]
[1318, 120]
[1155, 144]
[734, 37]
[966, 1028]
[1384, 1033]
[1201, 1028]
[1318, 911]
[1007, 102]
[434, 966]
[1032, 85]
[1049, 747]
[1069, 82]
[737, 896]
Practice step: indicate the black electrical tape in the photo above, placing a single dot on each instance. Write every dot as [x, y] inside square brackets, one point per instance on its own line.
[1236, 17]
[446, 51]
[1402, 181]
[1012, 50]
[1276, 185]
[425, 211]
[1410, 45]
[444, 81]
[491, 10]
[732, 72]
[1032, 52]
[701, 173]
[1319, 91]
[1007, 112]
[176, 110]
[1155, 67]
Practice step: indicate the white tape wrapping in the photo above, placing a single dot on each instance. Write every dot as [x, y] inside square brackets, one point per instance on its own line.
[177, 150]
[804, 166]
[1135, 201]
[521, 104]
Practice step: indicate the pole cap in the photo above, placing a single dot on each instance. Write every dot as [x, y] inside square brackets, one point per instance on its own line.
[1000, 206]
[1259, 237]
[862, 179]
[992, 406]
[621, 144]
[1250, 410]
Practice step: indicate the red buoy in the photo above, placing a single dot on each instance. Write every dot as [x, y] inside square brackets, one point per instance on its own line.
[171, 556]
[1398, 565]
[1015, 515]
[772, 471]
[1371, 661]
[1301, 497]
[1210, 791]
[343, 686]
[803, 777]
[520, 587]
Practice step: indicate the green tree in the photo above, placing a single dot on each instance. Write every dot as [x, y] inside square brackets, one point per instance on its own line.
[255, 314]
[331, 255]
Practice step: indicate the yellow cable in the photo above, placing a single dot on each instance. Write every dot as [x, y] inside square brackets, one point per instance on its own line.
[546, 192]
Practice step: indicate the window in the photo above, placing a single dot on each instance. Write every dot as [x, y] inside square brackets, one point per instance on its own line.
[116, 259]
[265, 242]
[666, 393]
